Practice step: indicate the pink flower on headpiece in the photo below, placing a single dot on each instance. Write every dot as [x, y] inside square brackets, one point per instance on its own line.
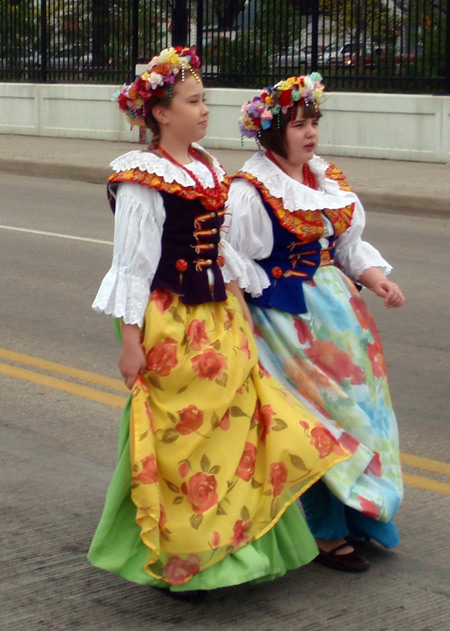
[155, 80]
[194, 60]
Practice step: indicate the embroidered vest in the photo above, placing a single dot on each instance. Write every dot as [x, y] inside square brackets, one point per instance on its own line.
[297, 251]
[190, 239]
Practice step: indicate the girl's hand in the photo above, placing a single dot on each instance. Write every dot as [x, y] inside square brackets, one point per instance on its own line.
[391, 293]
[132, 360]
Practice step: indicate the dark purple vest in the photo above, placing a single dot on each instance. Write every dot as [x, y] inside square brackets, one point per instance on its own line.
[189, 247]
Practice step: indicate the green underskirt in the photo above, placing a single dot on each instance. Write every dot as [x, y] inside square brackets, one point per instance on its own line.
[117, 546]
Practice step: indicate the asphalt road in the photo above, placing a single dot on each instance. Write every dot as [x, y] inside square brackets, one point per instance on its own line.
[60, 399]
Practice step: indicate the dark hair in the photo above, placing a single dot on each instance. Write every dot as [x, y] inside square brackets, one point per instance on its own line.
[274, 138]
[163, 100]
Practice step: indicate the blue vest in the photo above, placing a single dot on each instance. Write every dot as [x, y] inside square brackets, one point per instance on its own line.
[290, 264]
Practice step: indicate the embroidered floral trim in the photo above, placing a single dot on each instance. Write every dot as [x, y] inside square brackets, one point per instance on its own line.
[296, 196]
[334, 173]
[307, 225]
[151, 180]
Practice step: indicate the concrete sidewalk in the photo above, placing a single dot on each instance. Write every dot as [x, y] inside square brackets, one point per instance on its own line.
[383, 185]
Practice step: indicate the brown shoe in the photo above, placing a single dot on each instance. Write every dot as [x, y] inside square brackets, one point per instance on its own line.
[350, 562]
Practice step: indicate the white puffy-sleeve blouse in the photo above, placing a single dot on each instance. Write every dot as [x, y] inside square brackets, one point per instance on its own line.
[138, 225]
[248, 228]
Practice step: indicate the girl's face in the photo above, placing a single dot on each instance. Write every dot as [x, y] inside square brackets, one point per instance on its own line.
[302, 136]
[186, 118]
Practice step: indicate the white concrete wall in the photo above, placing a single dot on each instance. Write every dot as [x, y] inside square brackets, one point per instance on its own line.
[392, 126]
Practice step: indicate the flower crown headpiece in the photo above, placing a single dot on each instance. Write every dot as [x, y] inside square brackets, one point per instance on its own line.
[161, 72]
[259, 113]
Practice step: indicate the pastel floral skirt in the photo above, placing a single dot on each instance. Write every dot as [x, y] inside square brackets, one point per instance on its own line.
[331, 359]
[213, 454]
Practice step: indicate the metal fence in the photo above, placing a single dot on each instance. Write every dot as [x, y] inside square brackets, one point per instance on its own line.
[361, 45]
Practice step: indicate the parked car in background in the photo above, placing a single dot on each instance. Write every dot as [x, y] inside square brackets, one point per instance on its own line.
[293, 59]
[366, 55]
[334, 55]
[29, 60]
[68, 58]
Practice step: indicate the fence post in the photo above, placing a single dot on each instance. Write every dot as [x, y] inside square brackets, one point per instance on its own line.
[447, 51]
[135, 36]
[199, 35]
[179, 23]
[315, 36]
[43, 41]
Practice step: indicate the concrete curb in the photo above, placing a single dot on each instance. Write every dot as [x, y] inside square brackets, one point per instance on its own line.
[375, 201]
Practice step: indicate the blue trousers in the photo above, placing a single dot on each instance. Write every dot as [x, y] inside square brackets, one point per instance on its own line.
[329, 518]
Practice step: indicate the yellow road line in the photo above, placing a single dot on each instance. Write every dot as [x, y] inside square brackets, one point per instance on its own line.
[62, 369]
[60, 384]
[435, 466]
[427, 464]
[426, 483]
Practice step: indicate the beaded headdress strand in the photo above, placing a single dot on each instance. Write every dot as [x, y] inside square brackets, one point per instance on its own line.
[161, 71]
[260, 113]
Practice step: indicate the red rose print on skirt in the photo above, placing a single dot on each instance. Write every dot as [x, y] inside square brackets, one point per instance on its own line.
[224, 422]
[278, 477]
[149, 473]
[184, 468]
[244, 346]
[240, 529]
[303, 333]
[375, 354]
[191, 418]
[215, 540]
[324, 441]
[162, 299]
[369, 508]
[200, 491]
[177, 570]
[265, 418]
[196, 334]
[349, 442]
[162, 516]
[209, 364]
[162, 357]
[334, 362]
[360, 311]
[246, 466]
[375, 465]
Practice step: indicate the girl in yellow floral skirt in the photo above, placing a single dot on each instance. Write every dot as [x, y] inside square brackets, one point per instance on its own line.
[213, 452]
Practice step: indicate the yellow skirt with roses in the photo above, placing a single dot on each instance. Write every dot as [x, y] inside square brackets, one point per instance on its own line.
[213, 454]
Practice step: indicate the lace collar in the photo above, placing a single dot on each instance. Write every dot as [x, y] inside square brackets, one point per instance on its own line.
[149, 162]
[296, 196]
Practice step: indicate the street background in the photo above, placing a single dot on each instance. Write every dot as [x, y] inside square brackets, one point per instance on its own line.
[61, 395]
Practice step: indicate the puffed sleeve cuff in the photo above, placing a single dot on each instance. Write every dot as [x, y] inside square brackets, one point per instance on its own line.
[249, 275]
[139, 218]
[123, 296]
[359, 256]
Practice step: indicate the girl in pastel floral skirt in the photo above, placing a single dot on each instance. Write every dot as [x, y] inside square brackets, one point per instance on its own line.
[213, 452]
[294, 245]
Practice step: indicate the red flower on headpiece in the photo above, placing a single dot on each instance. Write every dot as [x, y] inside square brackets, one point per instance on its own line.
[285, 98]
[163, 69]
[195, 61]
[142, 89]
[178, 49]
[122, 102]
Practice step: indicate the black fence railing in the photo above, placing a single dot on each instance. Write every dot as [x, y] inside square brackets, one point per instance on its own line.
[358, 45]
